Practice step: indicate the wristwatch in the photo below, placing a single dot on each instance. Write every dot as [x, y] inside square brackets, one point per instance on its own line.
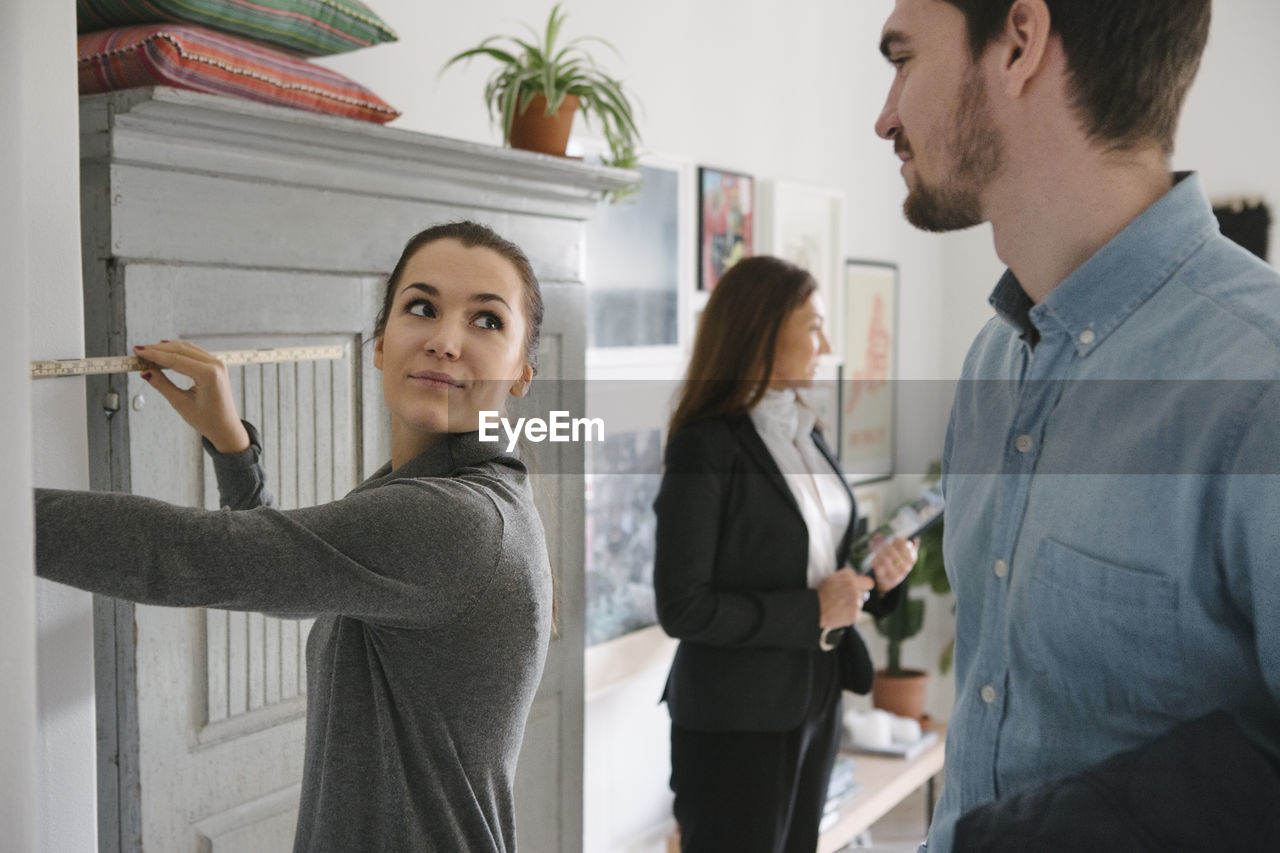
[830, 638]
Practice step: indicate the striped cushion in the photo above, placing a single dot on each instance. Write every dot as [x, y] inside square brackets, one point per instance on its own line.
[205, 61]
[310, 27]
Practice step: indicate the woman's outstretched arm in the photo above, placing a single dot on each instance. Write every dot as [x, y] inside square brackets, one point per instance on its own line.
[412, 553]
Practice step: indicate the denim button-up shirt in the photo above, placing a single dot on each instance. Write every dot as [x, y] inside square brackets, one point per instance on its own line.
[1112, 478]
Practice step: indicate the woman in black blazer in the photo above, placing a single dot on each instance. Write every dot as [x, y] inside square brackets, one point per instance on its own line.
[755, 523]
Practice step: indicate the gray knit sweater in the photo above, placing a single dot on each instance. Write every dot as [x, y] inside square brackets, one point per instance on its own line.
[432, 589]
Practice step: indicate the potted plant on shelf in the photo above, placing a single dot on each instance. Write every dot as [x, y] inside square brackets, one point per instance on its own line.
[538, 85]
[896, 688]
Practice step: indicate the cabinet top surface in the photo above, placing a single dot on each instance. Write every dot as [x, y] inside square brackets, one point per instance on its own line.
[159, 114]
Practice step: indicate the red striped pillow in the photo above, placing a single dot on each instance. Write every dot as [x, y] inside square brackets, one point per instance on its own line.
[206, 61]
[312, 27]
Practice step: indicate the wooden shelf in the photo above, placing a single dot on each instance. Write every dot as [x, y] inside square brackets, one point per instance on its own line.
[883, 782]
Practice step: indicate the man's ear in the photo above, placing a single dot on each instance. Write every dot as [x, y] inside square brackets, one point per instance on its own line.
[377, 352]
[1024, 44]
[521, 386]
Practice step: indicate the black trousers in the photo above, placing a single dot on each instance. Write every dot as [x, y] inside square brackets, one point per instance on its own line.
[756, 792]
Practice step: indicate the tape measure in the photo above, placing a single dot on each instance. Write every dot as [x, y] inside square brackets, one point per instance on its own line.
[133, 364]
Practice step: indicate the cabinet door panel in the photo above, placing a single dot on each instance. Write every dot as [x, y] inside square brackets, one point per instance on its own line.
[220, 696]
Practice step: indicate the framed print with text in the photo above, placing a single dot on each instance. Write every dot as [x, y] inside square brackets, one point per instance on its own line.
[870, 370]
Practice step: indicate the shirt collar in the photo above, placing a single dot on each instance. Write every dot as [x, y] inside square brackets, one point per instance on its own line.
[1014, 306]
[1094, 300]
[781, 415]
[457, 450]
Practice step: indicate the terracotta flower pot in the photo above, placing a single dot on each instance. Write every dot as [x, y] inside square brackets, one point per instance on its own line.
[900, 694]
[534, 130]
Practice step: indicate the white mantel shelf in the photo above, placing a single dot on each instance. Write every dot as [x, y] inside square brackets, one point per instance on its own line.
[185, 177]
[232, 137]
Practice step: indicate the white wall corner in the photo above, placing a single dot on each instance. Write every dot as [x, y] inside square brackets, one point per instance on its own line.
[17, 584]
[66, 791]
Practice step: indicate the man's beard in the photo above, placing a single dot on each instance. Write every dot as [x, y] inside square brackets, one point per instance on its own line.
[977, 150]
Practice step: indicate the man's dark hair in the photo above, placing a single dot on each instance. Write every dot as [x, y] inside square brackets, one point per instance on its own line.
[1131, 61]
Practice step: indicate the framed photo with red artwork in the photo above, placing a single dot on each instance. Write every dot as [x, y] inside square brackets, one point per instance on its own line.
[725, 222]
[867, 386]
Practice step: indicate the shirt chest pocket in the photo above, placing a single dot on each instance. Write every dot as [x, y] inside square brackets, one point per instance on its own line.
[1101, 634]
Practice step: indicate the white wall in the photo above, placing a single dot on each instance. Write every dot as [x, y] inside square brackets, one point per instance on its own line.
[44, 430]
[788, 91]
[17, 587]
[785, 91]
[1232, 117]
[67, 732]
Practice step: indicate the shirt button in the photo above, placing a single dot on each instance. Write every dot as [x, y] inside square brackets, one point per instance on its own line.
[1087, 337]
[1002, 568]
[988, 694]
[1023, 443]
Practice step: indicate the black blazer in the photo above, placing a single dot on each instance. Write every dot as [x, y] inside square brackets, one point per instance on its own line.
[731, 578]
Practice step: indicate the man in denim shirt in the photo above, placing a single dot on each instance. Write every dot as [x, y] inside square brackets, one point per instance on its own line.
[1112, 469]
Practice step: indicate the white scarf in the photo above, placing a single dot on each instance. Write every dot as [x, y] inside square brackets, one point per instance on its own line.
[786, 425]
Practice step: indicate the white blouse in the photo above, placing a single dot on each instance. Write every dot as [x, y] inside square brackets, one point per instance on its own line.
[785, 424]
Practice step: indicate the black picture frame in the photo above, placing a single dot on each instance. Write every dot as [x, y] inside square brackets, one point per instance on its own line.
[726, 222]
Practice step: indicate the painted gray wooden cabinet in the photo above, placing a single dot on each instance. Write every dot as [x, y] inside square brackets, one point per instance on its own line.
[237, 225]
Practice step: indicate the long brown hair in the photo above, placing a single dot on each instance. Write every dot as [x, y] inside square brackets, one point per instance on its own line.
[737, 338]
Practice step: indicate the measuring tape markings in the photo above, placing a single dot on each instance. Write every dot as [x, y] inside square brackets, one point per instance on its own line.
[133, 364]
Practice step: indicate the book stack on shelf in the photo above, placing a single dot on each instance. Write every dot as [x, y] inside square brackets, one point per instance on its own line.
[878, 732]
[841, 787]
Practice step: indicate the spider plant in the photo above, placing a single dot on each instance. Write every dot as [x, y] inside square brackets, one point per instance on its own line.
[539, 66]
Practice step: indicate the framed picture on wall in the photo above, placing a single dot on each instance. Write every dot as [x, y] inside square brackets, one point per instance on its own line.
[804, 225]
[621, 483]
[622, 475]
[726, 219]
[870, 370]
[635, 264]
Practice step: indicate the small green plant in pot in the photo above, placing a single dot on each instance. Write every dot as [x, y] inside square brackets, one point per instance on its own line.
[539, 79]
[908, 619]
[897, 688]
